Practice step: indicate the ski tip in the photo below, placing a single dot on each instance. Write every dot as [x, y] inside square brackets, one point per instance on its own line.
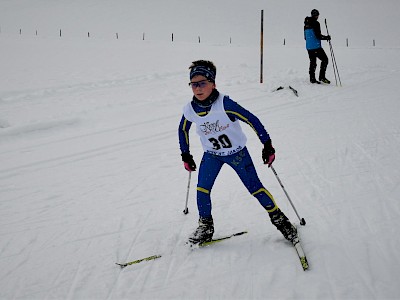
[240, 233]
[121, 265]
[278, 89]
[304, 263]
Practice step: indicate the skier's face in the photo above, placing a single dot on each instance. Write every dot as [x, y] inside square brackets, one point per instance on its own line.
[201, 87]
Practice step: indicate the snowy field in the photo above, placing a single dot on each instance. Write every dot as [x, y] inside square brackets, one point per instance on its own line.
[90, 167]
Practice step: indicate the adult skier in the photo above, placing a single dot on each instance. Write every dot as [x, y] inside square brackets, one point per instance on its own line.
[217, 123]
[313, 37]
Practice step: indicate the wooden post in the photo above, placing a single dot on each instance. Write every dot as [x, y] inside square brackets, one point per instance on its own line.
[199, 39]
[284, 42]
[373, 43]
[143, 36]
[60, 32]
[116, 35]
[172, 37]
[347, 42]
[261, 46]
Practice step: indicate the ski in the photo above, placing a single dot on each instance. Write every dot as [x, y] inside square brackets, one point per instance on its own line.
[294, 91]
[322, 82]
[201, 245]
[291, 88]
[300, 252]
[213, 241]
[123, 265]
[325, 81]
[278, 88]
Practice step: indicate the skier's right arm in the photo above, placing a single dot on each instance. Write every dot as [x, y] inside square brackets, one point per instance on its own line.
[183, 134]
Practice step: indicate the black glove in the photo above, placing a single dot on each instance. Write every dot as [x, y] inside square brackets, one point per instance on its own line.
[188, 162]
[328, 37]
[268, 153]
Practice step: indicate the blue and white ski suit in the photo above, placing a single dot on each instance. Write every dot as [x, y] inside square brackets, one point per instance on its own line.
[223, 142]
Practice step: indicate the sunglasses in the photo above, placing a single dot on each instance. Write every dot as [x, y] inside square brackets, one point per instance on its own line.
[200, 84]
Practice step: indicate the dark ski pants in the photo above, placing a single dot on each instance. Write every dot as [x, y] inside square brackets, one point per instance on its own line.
[243, 165]
[313, 55]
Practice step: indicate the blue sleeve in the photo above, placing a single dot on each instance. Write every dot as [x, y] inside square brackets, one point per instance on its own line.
[235, 111]
[183, 134]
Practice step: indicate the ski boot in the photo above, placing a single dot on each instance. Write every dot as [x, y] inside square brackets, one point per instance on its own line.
[324, 80]
[313, 80]
[282, 223]
[204, 232]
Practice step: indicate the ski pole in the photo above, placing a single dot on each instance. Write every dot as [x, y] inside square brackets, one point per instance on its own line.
[334, 65]
[302, 221]
[186, 210]
[335, 68]
[332, 55]
[333, 62]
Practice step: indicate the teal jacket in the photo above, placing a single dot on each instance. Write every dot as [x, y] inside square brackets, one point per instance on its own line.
[312, 34]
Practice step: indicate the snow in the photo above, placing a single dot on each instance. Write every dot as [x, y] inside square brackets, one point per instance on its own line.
[91, 172]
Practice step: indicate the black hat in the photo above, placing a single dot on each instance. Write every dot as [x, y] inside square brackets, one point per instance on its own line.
[205, 71]
[314, 13]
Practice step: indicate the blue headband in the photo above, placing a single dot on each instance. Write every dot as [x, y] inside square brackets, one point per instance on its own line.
[203, 71]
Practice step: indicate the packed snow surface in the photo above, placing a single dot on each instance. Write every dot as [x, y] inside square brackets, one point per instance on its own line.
[90, 167]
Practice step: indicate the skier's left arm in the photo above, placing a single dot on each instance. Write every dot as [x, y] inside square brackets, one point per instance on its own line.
[237, 112]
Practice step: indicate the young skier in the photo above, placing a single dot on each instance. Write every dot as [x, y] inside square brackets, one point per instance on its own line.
[217, 123]
[313, 37]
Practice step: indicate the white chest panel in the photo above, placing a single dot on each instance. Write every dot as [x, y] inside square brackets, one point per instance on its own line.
[218, 134]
